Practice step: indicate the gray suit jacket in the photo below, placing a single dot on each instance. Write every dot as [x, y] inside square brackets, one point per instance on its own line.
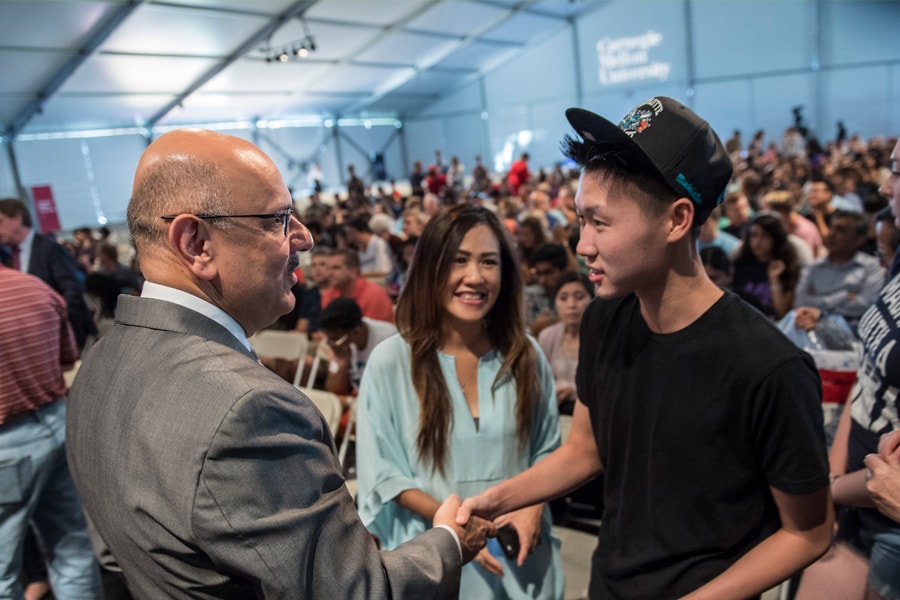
[211, 477]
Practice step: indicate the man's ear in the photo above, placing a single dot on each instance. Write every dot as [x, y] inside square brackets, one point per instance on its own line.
[190, 240]
[681, 219]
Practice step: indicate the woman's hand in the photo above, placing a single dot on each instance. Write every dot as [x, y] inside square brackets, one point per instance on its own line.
[527, 522]
[488, 562]
[775, 269]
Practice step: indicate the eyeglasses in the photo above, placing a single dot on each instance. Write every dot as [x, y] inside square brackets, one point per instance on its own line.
[283, 218]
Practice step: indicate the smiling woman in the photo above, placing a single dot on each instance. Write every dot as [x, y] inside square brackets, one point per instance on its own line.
[467, 396]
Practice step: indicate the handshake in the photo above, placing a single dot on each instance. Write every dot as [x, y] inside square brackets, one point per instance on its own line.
[472, 522]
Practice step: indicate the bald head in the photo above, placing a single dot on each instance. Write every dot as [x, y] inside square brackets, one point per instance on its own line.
[192, 171]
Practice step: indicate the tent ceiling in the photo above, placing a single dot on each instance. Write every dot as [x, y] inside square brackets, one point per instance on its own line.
[74, 65]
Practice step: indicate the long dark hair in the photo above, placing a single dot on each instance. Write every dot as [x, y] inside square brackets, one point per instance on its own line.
[420, 319]
[782, 249]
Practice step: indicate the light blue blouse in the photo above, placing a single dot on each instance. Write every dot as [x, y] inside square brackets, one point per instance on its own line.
[388, 463]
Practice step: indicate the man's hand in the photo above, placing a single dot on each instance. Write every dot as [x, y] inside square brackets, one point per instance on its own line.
[889, 444]
[476, 506]
[807, 317]
[472, 534]
[884, 484]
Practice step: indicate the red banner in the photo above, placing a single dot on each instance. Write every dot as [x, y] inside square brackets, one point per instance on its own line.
[45, 207]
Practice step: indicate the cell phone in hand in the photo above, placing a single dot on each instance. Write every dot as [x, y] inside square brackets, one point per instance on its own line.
[509, 541]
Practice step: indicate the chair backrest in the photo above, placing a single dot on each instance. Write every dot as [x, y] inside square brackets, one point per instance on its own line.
[328, 404]
[314, 368]
[289, 345]
[286, 345]
[348, 433]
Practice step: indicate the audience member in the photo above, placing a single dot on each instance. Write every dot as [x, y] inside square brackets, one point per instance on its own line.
[718, 267]
[414, 219]
[456, 175]
[460, 400]
[518, 174]
[650, 412]
[546, 263]
[823, 202]
[887, 236]
[345, 281]
[36, 344]
[711, 235]
[396, 281]
[559, 341]
[417, 179]
[206, 474]
[356, 189]
[42, 257]
[349, 340]
[375, 256]
[108, 259]
[766, 265]
[846, 282]
[480, 176]
[737, 211]
[530, 236]
[782, 203]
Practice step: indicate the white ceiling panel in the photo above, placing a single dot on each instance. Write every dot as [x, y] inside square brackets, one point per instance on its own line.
[10, 105]
[458, 18]
[323, 105]
[263, 7]
[267, 77]
[33, 24]
[138, 74]
[96, 112]
[522, 27]
[427, 84]
[26, 72]
[351, 78]
[208, 108]
[567, 8]
[369, 12]
[71, 64]
[408, 49]
[178, 31]
[475, 56]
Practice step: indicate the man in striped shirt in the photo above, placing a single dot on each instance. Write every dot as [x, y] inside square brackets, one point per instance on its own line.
[36, 342]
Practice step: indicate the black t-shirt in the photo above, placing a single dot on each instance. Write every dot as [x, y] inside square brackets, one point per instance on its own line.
[692, 428]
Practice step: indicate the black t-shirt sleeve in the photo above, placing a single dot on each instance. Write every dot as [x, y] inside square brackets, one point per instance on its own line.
[788, 424]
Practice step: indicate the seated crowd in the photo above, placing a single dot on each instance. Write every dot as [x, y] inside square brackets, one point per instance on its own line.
[805, 234]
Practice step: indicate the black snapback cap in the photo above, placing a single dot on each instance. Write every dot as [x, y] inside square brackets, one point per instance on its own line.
[669, 138]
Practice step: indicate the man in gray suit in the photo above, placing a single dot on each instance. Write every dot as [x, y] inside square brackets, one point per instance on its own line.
[207, 475]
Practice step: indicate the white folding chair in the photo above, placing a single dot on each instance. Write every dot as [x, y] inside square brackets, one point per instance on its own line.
[348, 433]
[287, 345]
[328, 404]
[317, 360]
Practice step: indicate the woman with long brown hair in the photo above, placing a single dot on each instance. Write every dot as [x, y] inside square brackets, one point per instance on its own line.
[461, 399]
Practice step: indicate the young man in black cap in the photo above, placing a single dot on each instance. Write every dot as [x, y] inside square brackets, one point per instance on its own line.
[705, 419]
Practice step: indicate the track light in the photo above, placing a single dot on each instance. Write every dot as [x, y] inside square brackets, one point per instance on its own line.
[298, 48]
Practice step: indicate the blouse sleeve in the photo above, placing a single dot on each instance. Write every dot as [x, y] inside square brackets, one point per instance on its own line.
[383, 465]
[545, 436]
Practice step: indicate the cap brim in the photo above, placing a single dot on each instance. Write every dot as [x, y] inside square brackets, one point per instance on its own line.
[595, 129]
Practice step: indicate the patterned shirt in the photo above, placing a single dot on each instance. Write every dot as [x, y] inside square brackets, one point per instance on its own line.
[35, 341]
